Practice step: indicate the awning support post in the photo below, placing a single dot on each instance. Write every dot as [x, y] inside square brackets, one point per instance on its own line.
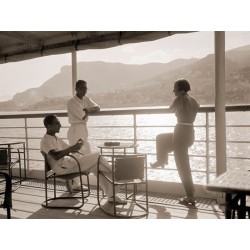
[220, 108]
[74, 71]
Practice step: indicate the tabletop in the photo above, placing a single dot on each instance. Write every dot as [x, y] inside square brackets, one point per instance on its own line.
[232, 181]
[121, 146]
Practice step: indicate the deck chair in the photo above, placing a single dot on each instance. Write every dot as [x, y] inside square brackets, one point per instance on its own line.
[127, 170]
[9, 157]
[50, 175]
[7, 200]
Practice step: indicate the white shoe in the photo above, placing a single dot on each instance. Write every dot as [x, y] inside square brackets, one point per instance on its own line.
[118, 201]
[77, 187]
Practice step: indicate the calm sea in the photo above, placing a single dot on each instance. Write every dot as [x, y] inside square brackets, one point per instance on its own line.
[149, 126]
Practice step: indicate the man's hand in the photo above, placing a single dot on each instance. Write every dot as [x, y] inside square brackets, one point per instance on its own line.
[78, 145]
[86, 113]
[86, 110]
[91, 110]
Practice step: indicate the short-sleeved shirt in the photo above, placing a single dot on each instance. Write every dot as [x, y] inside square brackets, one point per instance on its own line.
[67, 164]
[75, 107]
[49, 143]
[185, 108]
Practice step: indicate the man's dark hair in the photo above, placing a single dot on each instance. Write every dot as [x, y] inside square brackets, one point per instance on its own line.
[183, 84]
[80, 82]
[48, 120]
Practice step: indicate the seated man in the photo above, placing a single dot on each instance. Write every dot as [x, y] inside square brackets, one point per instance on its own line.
[57, 151]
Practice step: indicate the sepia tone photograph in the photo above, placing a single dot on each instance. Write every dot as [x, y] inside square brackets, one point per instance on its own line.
[148, 124]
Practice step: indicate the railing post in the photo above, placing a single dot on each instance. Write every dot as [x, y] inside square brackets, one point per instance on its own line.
[207, 149]
[27, 144]
[135, 132]
[74, 71]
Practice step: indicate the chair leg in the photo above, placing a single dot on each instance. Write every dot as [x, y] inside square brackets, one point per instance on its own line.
[53, 176]
[88, 186]
[20, 171]
[46, 192]
[47, 200]
[233, 214]
[54, 187]
[8, 213]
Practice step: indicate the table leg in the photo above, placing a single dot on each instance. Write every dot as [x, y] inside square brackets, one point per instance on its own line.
[228, 208]
[24, 160]
[242, 207]
[135, 191]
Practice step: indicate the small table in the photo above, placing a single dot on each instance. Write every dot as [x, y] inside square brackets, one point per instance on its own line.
[123, 146]
[234, 182]
[12, 148]
[113, 150]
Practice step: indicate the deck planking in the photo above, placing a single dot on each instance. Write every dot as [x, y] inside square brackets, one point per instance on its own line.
[27, 202]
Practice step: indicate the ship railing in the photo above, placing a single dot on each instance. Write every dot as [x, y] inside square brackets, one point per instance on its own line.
[140, 126]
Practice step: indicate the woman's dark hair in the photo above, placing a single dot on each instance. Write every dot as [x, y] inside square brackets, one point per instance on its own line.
[183, 84]
[48, 120]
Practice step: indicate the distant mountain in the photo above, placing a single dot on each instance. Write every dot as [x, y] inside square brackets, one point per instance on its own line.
[240, 56]
[102, 77]
[121, 85]
[158, 90]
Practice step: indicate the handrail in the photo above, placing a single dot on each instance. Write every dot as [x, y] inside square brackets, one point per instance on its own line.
[134, 126]
[125, 111]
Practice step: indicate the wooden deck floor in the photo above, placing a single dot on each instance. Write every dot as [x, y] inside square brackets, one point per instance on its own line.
[27, 201]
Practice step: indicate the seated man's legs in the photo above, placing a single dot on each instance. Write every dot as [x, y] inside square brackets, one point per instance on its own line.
[88, 162]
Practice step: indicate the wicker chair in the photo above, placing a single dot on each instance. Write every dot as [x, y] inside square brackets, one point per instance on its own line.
[50, 175]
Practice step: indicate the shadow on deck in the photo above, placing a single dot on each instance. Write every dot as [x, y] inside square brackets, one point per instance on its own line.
[27, 201]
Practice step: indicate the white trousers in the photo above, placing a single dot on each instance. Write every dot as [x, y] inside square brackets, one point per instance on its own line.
[87, 162]
[79, 131]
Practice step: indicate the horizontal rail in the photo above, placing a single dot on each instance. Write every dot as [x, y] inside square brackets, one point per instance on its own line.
[125, 111]
[134, 112]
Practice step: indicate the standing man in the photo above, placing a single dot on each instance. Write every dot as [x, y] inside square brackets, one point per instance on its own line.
[78, 108]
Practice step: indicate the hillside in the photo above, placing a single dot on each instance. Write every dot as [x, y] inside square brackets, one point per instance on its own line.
[120, 85]
[102, 78]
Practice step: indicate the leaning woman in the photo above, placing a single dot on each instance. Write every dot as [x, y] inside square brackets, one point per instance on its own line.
[185, 108]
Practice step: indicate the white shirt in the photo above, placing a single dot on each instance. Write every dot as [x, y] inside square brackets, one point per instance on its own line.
[75, 107]
[49, 143]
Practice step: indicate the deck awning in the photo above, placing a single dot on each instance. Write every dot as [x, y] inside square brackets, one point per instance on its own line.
[23, 45]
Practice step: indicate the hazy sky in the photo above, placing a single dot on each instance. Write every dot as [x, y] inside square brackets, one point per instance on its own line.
[19, 76]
